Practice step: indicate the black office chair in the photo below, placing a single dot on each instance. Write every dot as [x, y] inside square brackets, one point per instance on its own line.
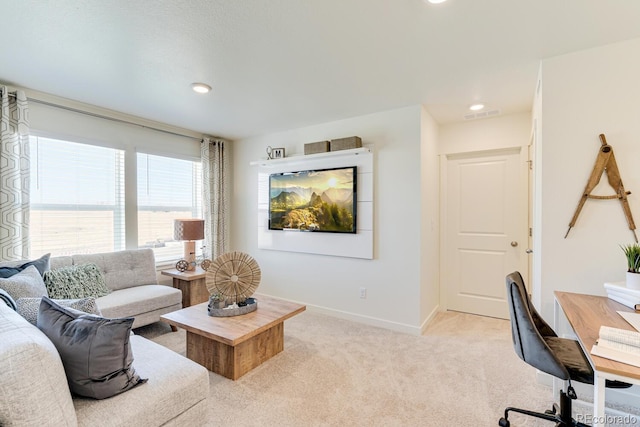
[538, 345]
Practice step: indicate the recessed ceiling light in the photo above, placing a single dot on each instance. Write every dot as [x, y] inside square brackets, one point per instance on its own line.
[200, 87]
[476, 107]
[436, 1]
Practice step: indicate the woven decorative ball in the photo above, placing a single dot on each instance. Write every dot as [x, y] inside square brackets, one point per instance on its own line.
[235, 275]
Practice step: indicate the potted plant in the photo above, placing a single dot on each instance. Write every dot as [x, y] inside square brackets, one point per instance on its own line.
[218, 301]
[632, 253]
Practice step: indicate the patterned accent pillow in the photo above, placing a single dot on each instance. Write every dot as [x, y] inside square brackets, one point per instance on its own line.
[76, 281]
[96, 352]
[27, 283]
[28, 307]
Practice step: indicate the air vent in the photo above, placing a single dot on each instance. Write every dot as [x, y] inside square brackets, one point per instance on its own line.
[482, 115]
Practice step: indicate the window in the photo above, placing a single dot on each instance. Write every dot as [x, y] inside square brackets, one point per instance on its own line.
[168, 189]
[77, 198]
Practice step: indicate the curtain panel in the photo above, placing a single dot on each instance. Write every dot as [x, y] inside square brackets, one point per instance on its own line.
[216, 180]
[14, 175]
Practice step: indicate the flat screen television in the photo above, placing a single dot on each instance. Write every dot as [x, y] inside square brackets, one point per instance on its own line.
[319, 200]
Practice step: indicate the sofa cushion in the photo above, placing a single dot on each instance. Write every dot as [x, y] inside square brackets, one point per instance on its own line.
[8, 269]
[124, 269]
[95, 351]
[60, 261]
[76, 281]
[28, 283]
[176, 384]
[139, 299]
[34, 388]
[28, 307]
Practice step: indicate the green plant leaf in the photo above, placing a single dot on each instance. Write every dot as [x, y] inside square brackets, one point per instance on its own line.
[632, 254]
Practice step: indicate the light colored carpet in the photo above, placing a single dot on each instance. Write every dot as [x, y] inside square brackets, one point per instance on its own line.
[462, 372]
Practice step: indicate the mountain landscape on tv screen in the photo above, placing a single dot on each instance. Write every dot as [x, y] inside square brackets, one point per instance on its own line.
[298, 207]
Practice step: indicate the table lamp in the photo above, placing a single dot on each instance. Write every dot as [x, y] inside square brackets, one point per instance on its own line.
[189, 230]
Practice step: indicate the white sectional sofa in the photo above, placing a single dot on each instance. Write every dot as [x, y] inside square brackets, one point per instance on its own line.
[131, 276]
[34, 389]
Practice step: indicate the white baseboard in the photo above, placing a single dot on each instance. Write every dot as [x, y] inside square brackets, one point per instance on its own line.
[429, 318]
[367, 320]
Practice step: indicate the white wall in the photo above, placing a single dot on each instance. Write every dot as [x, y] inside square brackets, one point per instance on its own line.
[583, 95]
[393, 278]
[59, 123]
[430, 218]
[508, 131]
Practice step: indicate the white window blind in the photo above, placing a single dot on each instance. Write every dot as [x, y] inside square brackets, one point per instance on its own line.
[77, 198]
[168, 189]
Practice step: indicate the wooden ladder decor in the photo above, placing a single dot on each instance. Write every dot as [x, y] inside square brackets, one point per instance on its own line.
[606, 161]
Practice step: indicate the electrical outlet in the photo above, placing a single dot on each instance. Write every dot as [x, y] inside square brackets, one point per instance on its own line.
[363, 293]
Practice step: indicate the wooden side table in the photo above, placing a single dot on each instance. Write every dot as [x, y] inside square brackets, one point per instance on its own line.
[191, 283]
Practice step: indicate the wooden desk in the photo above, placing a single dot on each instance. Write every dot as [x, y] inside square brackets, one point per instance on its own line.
[232, 346]
[192, 284]
[586, 313]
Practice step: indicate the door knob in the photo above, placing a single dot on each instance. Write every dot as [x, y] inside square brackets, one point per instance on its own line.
[514, 243]
[529, 250]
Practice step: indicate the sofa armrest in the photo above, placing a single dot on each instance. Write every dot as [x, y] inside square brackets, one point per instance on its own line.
[32, 378]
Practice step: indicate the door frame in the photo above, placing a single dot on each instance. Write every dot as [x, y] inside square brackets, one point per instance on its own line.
[522, 150]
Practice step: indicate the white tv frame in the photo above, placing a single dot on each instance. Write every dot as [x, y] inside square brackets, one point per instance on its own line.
[358, 245]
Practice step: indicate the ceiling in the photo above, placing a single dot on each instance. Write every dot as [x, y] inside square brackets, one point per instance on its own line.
[282, 64]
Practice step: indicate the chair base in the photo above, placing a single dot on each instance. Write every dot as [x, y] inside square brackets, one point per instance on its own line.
[561, 415]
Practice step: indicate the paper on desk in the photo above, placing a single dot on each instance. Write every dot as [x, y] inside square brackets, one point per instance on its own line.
[632, 318]
[617, 355]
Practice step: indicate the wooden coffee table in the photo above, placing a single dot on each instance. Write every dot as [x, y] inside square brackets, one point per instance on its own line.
[232, 346]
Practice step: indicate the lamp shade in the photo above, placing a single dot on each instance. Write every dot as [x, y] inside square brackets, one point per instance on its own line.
[188, 229]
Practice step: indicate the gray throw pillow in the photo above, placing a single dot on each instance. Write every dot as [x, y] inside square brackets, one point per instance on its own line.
[6, 298]
[11, 268]
[28, 283]
[95, 351]
[28, 307]
[76, 281]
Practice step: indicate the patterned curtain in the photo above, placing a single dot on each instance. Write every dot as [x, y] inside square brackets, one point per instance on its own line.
[216, 181]
[14, 175]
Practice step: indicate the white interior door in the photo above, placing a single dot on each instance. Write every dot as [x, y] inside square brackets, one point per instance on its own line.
[485, 230]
